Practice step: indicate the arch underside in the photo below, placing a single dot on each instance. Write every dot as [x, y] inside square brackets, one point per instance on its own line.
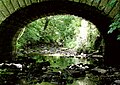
[7, 7]
[20, 18]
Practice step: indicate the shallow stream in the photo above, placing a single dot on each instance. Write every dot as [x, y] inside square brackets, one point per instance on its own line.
[60, 63]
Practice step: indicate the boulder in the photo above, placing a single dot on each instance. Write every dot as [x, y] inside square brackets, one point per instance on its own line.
[116, 82]
[98, 71]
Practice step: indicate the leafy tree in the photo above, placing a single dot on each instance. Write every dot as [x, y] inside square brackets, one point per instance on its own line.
[59, 30]
[116, 23]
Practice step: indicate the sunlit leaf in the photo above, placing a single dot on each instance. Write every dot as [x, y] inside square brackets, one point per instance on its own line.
[112, 3]
[111, 30]
[118, 37]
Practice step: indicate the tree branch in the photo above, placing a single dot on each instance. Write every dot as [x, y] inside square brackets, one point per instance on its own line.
[46, 23]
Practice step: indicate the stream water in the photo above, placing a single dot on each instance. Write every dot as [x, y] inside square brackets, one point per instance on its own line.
[61, 63]
[59, 70]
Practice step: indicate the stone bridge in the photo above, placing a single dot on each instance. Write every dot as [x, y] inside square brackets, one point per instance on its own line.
[15, 14]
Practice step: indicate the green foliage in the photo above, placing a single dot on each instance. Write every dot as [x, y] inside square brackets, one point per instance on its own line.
[118, 37]
[115, 25]
[97, 1]
[3, 71]
[61, 30]
[111, 3]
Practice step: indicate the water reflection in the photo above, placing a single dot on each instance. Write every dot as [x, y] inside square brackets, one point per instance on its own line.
[49, 70]
[66, 71]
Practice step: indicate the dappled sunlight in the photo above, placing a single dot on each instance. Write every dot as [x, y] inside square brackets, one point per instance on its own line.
[84, 29]
[67, 31]
[81, 36]
[38, 47]
[59, 50]
[67, 42]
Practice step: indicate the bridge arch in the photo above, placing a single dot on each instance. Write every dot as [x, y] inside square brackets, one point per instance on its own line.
[21, 17]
